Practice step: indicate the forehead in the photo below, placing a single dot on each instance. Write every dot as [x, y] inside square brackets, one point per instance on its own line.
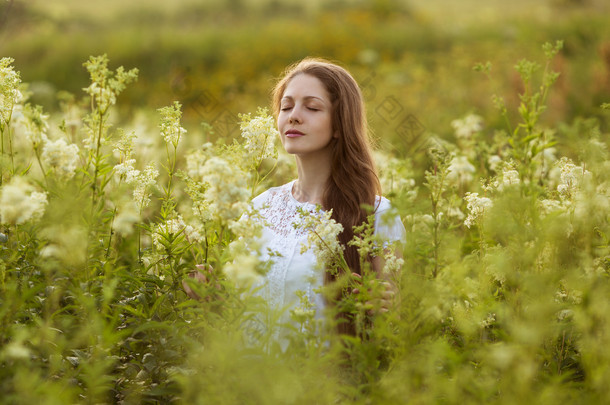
[305, 86]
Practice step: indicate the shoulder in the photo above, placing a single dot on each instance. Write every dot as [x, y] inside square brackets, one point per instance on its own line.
[384, 211]
[382, 204]
[387, 220]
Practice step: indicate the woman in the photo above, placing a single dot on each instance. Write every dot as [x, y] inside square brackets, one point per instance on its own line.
[321, 119]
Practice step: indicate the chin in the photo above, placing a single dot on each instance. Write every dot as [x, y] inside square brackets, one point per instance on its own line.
[292, 150]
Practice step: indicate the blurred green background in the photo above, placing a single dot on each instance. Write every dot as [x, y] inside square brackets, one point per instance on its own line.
[414, 59]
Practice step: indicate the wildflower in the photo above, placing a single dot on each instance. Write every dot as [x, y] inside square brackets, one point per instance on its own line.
[285, 167]
[126, 171]
[455, 212]
[170, 124]
[467, 126]
[196, 190]
[227, 189]
[246, 267]
[494, 162]
[242, 269]
[548, 206]
[476, 206]
[322, 237]
[392, 263]
[123, 148]
[488, 321]
[19, 202]
[172, 228]
[104, 97]
[9, 93]
[35, 123]
[571, 177]
[460, 170]
[510, 177]
[260, 134]
[420, 223]
[394, 175]
[60, 157]
[67, 243]
[144, 182]
[126, 218]
[105, 85]
[196, 160]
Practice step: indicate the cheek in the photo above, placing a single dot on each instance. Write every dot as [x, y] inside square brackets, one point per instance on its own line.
[281, 119]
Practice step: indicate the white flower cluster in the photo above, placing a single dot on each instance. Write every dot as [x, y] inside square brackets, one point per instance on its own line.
[170, 123]
[548, 206]
[174, 227]
[246, 267]
[35, 124]
[394, 176]
[467, 126]
[143, 181]
[105, 85]
[196, 191]
[392, 263]
[123, 148]
[242, 269]
[103, 96]
[19, 202]
[9, 93]
[571, 177]
[260, 134]
[196, 160]
[460, 171]
[495, 162]
[125, 219]
[510, 177]
[60, 157]
[66, 242]
[476, 206]
[127, 171]
[227, 188]
[322, 237]
[489, 320]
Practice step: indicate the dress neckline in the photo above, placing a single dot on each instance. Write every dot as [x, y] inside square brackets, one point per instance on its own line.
[289, 187]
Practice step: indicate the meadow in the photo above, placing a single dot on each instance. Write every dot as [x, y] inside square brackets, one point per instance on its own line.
[134, 136]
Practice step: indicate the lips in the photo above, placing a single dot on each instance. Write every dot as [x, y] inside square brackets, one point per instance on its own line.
[293, 133]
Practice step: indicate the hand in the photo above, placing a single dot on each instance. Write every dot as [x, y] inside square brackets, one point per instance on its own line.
[203, 274]
[383, 302]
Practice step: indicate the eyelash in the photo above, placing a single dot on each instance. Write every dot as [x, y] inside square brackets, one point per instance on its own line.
[309, 108]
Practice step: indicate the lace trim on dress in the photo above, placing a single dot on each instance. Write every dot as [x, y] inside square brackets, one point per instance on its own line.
[280, 211]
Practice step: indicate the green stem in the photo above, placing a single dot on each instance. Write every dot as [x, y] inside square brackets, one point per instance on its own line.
[111, 233]
[97, 156]
[44, 174]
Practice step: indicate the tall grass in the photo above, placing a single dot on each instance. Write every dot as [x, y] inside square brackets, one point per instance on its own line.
[503, 291]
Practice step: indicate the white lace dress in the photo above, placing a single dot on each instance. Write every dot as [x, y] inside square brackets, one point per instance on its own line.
[292, 271]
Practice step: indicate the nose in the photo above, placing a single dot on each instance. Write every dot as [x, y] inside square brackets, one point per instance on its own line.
[294, 117]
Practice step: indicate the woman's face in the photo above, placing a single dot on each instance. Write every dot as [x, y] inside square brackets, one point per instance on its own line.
[304, 120]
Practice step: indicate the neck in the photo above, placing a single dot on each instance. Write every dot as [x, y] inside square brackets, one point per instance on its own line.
[313, 178]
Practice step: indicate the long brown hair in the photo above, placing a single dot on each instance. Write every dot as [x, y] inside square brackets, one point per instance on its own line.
[353, 181]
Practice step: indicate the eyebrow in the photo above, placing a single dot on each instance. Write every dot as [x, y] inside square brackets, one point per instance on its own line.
[306, 98]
